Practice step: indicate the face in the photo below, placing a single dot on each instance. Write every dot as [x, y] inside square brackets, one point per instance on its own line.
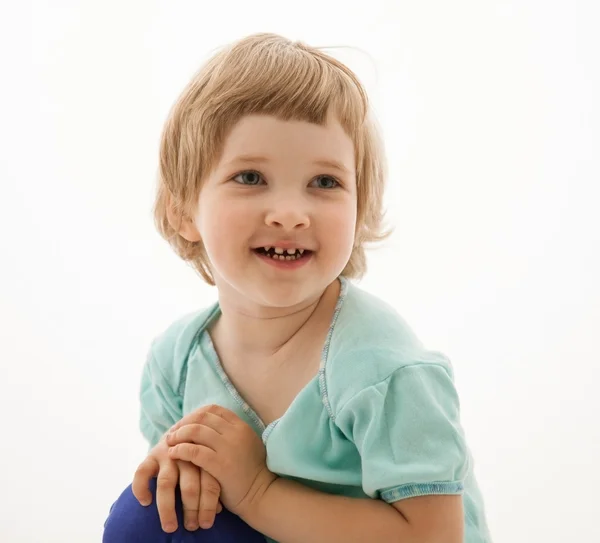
[287, 185]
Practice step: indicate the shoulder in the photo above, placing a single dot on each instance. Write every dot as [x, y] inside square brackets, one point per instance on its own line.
[170, 350]
[369, 341]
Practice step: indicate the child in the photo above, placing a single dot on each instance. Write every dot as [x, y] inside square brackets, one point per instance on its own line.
[305, 405]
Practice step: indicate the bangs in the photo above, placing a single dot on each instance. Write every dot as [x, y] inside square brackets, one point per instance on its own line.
[269, 75]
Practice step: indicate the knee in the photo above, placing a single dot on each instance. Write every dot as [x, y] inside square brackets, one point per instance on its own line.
[130, 522]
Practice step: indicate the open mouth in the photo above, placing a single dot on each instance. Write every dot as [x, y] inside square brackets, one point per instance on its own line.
[277, 253]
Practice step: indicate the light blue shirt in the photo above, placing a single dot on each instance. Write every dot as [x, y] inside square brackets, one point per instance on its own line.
[380, 420]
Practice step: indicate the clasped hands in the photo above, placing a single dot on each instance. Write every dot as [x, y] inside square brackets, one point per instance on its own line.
[212, 454]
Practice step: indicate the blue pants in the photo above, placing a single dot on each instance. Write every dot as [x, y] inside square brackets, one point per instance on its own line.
[130, 522]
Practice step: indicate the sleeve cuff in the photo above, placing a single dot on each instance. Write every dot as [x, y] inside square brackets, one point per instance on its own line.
[422, 489]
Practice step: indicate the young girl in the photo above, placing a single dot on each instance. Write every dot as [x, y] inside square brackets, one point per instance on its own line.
[302, 404]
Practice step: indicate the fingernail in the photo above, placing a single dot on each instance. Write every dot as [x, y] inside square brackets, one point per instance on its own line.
[170, 527]
[206, 524]
[191, 526]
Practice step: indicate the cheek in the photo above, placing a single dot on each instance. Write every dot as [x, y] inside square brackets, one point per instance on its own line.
[222, 226]
[339, 227]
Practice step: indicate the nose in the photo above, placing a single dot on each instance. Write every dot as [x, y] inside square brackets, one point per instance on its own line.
[289, 214]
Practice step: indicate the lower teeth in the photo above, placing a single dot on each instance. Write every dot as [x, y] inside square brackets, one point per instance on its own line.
[284, 257]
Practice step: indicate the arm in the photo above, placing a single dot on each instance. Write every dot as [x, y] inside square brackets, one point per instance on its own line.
[217, 440]
[414, 461]
[290, 512]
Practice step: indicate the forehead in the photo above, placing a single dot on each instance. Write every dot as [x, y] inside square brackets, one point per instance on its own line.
[273, 138]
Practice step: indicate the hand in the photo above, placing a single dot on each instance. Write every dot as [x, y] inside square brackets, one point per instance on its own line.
[199, 490]
[217, 440]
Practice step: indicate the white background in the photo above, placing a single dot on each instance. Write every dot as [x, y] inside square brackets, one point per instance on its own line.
[492, 123]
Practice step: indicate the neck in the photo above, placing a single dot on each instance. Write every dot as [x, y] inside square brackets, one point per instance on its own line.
[263, 332]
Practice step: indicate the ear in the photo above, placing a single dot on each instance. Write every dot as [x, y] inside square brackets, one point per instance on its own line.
[183, 225]
[188, 230]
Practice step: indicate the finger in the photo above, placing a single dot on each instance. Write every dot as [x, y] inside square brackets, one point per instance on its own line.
[216, 422]
[195, 433]
[219, 507]
[141, 480]
[201, 456]
[165, 495]
[191, 418]
[189, 484]
[224, 413]
[210, 490]
[197, 415]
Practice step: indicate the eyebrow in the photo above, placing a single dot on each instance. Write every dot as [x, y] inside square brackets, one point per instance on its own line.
[324, 162]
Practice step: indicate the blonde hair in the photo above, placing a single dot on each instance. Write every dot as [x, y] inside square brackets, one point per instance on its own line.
[264, 74]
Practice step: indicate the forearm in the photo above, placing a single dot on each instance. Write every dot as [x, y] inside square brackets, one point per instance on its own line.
[292, 513]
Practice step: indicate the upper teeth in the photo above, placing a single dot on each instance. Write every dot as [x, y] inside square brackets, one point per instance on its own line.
[280, 251]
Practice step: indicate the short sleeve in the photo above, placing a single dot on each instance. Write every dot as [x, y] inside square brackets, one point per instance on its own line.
[408, 433]
[161, 407]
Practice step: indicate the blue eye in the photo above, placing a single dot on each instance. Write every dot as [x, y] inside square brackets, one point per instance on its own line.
[251, 178]
[326, 182]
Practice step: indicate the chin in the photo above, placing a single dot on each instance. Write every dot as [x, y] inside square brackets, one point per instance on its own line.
[282, 298]
[285, 295]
